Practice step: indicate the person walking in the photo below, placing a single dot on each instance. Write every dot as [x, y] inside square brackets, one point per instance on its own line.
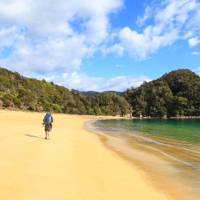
[47, 122]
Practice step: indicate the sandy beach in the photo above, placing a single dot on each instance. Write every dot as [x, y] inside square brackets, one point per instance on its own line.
[73, 165]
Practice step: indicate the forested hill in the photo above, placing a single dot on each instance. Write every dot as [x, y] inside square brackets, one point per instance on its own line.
[174, 94]
[18, 92]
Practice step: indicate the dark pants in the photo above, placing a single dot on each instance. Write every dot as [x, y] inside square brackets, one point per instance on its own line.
[48, 127]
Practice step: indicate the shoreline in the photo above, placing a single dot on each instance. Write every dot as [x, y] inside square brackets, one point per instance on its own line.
[133, 153]
[104, 116]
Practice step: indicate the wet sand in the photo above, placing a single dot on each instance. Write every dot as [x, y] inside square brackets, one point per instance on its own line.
[171, 166]
[73, 165]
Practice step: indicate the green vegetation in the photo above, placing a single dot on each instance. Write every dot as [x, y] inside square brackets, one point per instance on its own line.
[175, 94]
[18, 92]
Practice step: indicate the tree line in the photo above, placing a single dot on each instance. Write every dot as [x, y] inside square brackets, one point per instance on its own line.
[173, 95]
[19, 92]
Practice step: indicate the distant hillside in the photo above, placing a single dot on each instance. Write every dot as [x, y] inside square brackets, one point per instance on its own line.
[87, 93]
[94, 93]
[174, 94]
[19, 92]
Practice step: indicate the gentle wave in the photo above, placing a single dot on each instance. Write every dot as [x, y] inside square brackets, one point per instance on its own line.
[176, 160]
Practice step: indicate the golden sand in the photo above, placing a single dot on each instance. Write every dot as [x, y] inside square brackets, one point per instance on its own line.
[72, 165]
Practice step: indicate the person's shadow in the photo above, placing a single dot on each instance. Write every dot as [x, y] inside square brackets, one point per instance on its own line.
[34, 136]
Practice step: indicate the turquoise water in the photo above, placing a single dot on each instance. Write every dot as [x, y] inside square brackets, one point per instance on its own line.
[168, 150]
[187, 130]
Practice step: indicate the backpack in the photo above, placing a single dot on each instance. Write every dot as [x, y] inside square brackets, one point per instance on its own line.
[48, 118]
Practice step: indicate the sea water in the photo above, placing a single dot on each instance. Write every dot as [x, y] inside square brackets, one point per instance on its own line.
[185, 130]
[166, 148]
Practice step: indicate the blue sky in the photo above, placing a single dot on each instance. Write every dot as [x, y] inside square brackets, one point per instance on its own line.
[100, 45]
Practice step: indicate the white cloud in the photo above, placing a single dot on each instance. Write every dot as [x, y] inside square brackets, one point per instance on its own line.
[196, 53]
[147, 14]
[193, 41]
[50, 55]
[169, 22]
[50, 36]
[116, 49]
[145, 44]
[82, 82]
